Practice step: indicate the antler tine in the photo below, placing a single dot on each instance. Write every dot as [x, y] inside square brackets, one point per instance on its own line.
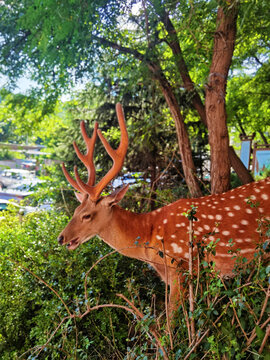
[117, 155]
[87, 159]
[70, 179]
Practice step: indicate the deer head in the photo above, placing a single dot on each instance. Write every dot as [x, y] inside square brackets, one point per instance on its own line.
[95, 211]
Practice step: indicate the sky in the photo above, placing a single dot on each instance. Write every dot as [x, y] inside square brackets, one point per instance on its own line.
[23, 84]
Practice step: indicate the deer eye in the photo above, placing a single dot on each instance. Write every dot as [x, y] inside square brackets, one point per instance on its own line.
[86, 217]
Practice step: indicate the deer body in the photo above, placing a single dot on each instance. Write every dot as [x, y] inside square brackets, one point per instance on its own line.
[166, 230]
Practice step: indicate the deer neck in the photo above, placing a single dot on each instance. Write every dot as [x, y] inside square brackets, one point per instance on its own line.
[127, 231]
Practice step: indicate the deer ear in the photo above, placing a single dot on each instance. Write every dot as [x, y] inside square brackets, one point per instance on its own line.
[79, 196]
[115, 196]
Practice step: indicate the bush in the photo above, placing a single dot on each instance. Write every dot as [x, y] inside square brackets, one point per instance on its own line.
[51, 307]
[42, 284]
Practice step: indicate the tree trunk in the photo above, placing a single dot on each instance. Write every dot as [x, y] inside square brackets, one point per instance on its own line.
[240, 169]
[215, 97]
[182, 67]
[189, 86]
[182, 135]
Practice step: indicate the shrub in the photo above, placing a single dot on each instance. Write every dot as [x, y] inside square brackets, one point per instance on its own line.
[52, 307]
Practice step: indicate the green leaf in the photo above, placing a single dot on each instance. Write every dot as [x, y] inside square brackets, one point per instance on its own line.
[260, 333]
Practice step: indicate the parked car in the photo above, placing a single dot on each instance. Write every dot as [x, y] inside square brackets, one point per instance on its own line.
[28, 164]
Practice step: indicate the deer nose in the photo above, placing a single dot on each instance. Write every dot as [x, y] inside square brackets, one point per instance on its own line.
[60, 239]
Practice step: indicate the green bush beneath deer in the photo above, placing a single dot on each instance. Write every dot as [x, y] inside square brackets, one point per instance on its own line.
[56, 304]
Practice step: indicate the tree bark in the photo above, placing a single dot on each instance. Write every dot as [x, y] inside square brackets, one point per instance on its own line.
[240, 169]
[215, 97]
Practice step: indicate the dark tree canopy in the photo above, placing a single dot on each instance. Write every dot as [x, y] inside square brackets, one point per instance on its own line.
[188, 48]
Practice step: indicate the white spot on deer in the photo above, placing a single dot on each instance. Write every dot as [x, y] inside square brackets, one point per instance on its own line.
[235, 226]
[225, 232]
[241, 196]
[253, 197]
[172, 214]
[219, 217]
[231, 214]
[244, 222]
[186, 255]
[222, 244]
[177, 249]
[232, 197]
[246, 251]
[181, 241]
[182, 224]
[239, 240]
[241, 231]
[178, 225]
[159, 237]
[261, 210]
[173, 236]
[210, 217]
[214, 207]
[222, 198]
[203, 203]
[165, 221]
[178, 214]
[158, 210]
[216, 202]
[203, 216]
[207, 227]
[257, 190]
[249, 211]
[200, 229]
[227, 208]
[248, 240]
[237, 207]
[211, 238]
[264, 196]
[159, 227]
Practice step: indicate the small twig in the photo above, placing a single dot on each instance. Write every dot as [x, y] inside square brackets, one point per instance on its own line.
[140, 316]
[234, 311]
[88, 272]
[203, 336]
[253, 334]
[266, 336]
[191, 291]
[187, 320]
[42, 281]
[168, 314]
[198, 276]
[64, 201]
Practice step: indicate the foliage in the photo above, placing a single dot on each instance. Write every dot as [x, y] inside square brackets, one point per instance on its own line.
[5, 154]
[47, 314]
[41, 283]
[119, 44]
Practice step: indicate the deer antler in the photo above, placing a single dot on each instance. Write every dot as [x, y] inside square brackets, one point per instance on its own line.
[117, 156]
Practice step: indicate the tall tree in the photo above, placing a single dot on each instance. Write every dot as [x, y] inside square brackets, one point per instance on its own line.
[179, 43]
